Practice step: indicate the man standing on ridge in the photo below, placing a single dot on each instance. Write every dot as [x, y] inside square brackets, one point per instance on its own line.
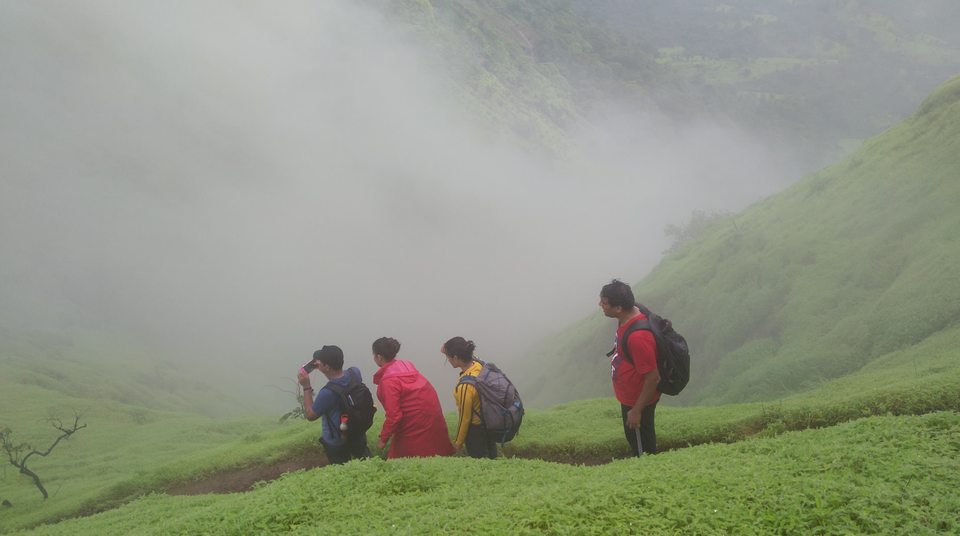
[635, 384]
[329, 361]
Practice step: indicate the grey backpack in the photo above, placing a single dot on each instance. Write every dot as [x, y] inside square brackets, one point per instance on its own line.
[501, 410]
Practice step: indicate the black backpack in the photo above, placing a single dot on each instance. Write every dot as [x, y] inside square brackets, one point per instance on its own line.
[356, 403]
[501, 411]
[673, 356]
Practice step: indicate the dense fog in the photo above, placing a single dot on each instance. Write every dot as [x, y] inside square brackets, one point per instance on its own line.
[239, 183]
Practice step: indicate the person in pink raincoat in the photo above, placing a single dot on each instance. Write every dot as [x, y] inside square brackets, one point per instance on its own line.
[414, 418]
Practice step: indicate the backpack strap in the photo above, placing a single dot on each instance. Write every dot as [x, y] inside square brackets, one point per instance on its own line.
[646, 312]
[339, 390]
[468, 378]
[637, 325]
[634, 326]
[472, 380]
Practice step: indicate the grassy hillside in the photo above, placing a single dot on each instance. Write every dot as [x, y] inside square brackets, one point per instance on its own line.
[116, 457]
[825, 324]
[843, 268]
[98, 366]
[126, 452]
[882, 475]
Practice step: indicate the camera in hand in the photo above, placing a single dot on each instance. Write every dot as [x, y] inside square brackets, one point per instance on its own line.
[310, 366]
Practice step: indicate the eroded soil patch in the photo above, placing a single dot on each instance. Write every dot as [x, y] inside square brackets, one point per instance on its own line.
[241, 481]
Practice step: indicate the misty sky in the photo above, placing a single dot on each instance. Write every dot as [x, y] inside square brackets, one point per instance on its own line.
[242, 182]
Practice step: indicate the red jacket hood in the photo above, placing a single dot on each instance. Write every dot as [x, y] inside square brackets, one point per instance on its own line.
[397, 367]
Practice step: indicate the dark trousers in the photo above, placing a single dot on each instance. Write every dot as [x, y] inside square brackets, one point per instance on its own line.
[479, 444]
[648, 432]
[353, 447]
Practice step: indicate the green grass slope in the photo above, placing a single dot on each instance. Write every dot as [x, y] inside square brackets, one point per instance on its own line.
[847, 266]
[880, 475]
[126, 453]
[123, 452]
[109, 366]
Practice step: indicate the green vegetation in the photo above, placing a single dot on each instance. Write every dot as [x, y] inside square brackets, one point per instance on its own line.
[699, 222]
[535, 70]
[123, 452]
[818, 76]
[848, 266]
[19, 454]
[117, 460]
[824, 323]
[881, 475]
[109, 366]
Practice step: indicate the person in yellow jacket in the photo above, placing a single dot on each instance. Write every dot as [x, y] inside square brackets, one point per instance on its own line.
[470, 434]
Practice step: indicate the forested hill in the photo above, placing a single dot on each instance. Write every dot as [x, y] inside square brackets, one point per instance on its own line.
[850, 264]
[820, 76]
[836, 71]
[534, 70]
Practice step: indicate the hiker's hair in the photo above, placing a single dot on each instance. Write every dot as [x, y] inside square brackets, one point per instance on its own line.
[460, 348]
[386, 347]
[618, 294]
[331, 356]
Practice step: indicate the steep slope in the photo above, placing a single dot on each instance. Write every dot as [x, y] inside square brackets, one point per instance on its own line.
[848, 265]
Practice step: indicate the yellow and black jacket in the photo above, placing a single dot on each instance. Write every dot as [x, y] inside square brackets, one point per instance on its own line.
[468, 403]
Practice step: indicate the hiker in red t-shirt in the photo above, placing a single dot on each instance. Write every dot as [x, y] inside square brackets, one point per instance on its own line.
[635, 384]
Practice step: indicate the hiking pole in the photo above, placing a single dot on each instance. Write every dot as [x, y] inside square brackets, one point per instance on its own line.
[639, 443]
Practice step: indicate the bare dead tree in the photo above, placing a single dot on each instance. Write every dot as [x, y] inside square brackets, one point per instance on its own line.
[19, 453]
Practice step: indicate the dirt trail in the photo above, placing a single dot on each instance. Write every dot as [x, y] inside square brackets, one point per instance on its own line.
[241, 481]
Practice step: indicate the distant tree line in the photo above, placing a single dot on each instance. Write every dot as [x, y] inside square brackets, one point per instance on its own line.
[699, 222]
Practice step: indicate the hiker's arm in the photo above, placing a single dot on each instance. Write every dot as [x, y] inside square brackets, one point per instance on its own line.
[308, 406]
[643, 348]
[650, 381]
[304, 380]
[391, 408]
[465, 395]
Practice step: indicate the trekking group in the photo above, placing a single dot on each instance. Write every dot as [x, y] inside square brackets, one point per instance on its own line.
[648, 358]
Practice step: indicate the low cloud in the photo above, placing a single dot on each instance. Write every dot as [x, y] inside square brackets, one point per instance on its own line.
[244, 182]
